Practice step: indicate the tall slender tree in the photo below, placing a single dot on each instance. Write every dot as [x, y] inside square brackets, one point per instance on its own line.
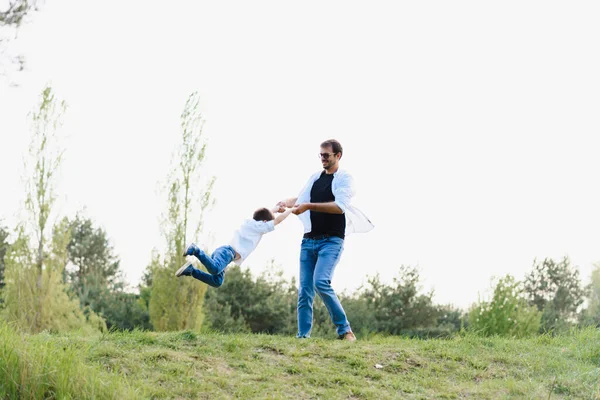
[177, 303]
[35, 295]
[43, 166]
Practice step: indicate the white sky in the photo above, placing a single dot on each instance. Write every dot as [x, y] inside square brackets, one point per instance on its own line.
[471, 128]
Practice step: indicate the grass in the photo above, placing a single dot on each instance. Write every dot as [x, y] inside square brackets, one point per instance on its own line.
[182, 365]
[50, 367]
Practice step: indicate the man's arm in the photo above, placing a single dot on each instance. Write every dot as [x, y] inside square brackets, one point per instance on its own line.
[329, 208]
[288, 203]
[283, 215]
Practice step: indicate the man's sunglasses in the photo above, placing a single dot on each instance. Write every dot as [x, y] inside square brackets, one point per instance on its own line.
[325, 156]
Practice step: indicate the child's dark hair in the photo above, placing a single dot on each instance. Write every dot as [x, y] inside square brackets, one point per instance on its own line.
[263, 214]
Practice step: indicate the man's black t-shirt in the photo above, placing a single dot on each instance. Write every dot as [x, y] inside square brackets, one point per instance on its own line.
[325, 223]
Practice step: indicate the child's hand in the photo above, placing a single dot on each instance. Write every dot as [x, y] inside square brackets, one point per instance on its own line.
[287, 203]
[280, 206]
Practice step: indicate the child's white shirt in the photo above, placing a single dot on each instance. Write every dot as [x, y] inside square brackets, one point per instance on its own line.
[248, 235]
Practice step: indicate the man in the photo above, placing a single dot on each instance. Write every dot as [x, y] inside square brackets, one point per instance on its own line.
[324, 208]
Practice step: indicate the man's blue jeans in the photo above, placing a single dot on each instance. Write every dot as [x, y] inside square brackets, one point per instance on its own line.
[318, 259]
[215, 264]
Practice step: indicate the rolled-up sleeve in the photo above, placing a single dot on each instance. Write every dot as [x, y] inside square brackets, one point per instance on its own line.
[344, 191]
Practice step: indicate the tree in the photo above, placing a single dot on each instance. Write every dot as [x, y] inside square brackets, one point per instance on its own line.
[124, 311]
[591, 316]
[35, 294]
[95, 277]
[177, 303]
[450, 319]
[400, 308]
[95, 268]
[556, 290]
[16, 10]
[247, 304]
[34, 308]
[45, 160]
[506, 314]
[12, 14]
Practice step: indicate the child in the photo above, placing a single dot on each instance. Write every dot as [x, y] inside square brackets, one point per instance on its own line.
[244, 241]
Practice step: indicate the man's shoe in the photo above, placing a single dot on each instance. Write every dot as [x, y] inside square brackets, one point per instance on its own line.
[185, 270]
[191, 250]
[349, 336]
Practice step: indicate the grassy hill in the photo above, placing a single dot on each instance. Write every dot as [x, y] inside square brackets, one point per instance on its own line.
[183, 365]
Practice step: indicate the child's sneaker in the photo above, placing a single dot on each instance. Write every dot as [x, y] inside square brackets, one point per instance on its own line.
[191, 250]
[185, 270]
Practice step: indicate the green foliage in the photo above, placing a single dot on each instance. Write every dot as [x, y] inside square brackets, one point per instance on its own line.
[591, 315]
[556, 290]
[244, 304]
[35, 294]
[34, 308]
[13, 12]
[95, 278]
[267, 304]
[12, 15]
[94, 266]
[3, 249]
[42, 167]
[124, 311]
[450, 318]
[177, 303]
[399, 308]
[507, 314]
[19, 294]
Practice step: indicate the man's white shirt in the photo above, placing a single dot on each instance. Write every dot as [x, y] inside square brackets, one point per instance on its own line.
[343, 190]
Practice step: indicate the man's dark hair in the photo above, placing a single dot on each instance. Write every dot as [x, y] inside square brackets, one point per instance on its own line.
[263, 214]
[336, 146]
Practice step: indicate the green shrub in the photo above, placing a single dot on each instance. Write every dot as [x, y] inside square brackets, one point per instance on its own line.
[507, 314]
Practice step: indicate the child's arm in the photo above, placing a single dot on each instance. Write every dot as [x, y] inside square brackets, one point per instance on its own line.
[283, 215]
[288, 202]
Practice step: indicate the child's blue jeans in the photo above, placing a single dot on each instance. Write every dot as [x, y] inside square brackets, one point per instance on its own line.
[215, 264]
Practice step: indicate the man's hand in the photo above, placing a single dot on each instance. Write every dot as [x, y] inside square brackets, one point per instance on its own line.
[279, 207]
[287, 203]
[300, 208]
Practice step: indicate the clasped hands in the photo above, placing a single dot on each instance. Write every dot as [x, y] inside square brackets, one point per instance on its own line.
[296, 208]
